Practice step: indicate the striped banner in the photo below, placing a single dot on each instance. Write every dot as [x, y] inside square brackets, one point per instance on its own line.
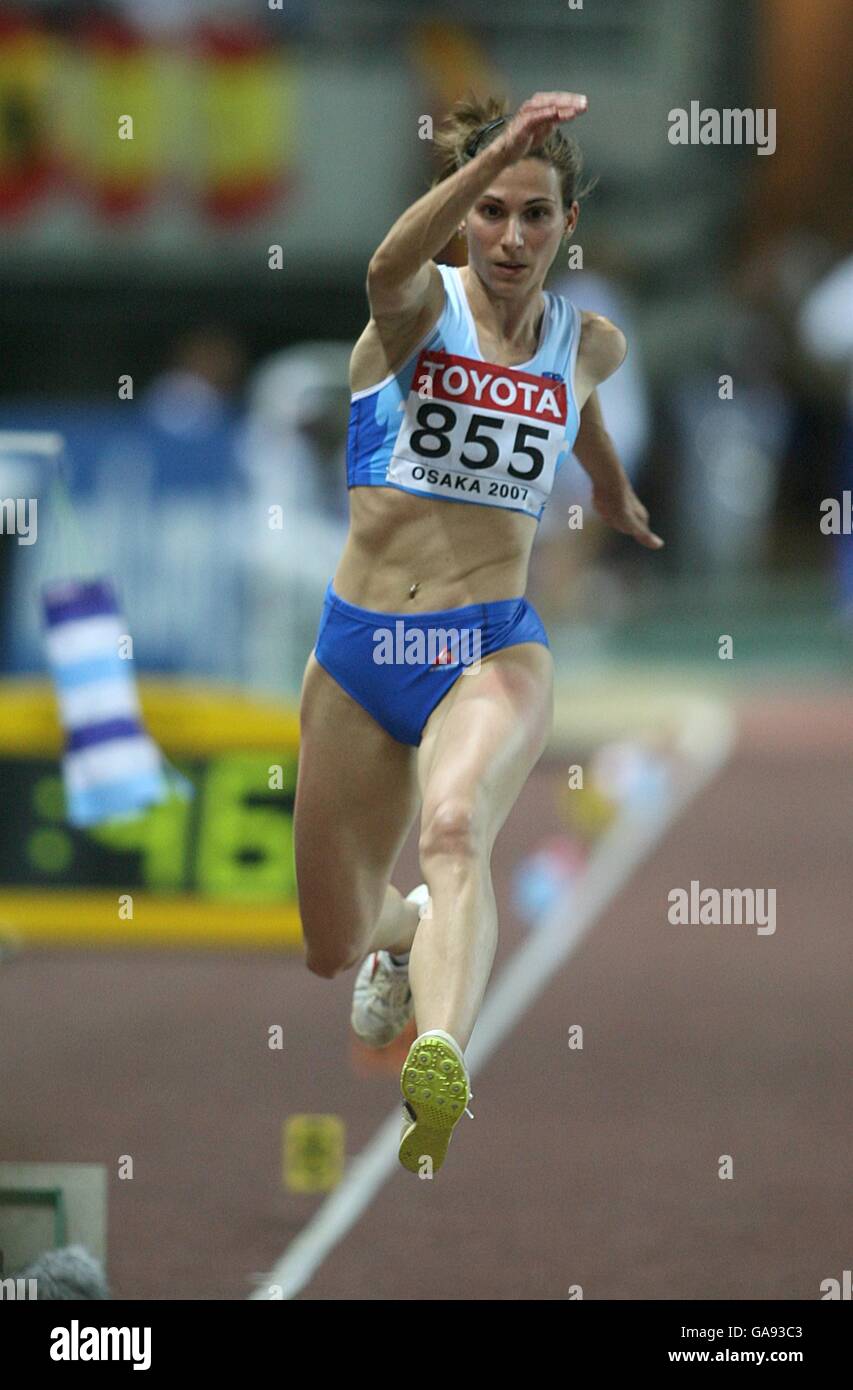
[111, 766]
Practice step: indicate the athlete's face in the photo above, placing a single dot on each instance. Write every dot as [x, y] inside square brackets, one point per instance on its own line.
[515, 227]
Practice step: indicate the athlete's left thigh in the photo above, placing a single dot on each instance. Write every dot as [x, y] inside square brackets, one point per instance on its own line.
[484, 738]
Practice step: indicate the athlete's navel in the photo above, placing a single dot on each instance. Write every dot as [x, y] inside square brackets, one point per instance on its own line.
[413, 590]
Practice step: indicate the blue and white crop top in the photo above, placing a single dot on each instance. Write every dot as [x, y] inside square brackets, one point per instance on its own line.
[450, 425]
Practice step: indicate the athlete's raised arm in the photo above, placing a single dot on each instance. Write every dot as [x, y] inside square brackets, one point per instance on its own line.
[399, 277]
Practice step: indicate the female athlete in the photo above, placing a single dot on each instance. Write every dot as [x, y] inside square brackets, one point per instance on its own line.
[469, 387]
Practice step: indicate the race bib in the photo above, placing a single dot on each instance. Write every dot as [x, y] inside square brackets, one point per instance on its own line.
[478, 432]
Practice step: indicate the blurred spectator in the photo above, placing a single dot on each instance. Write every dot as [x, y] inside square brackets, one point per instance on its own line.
[294, 458]
[737, 412]
[826, 321]
[826, 331]
[195, 394]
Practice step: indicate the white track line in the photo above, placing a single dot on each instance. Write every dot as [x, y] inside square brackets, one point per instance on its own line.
[706, 738]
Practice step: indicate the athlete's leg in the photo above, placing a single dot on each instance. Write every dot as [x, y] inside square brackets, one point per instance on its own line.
[356, 799]
[477, 752]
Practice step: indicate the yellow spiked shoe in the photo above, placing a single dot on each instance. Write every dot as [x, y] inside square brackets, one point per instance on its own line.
[436, 1089]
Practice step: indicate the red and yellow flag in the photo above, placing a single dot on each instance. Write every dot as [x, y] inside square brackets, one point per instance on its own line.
[26, 163]
[246, 124]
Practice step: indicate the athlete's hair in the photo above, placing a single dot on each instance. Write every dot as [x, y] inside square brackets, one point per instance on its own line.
[458, 132]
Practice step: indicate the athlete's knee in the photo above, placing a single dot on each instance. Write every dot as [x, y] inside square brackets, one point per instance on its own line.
[455, 826]
[328, 963]
[329, 948]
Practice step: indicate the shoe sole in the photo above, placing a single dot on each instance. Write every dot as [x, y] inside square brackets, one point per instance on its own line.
[435, 1088]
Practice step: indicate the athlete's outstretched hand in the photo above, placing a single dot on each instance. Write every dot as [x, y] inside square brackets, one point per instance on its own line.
[536, 118]
[619, 505]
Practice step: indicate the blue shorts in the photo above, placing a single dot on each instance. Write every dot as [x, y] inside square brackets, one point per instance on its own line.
[398, 666]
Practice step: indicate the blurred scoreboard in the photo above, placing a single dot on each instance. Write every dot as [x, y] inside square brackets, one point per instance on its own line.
[216, 869]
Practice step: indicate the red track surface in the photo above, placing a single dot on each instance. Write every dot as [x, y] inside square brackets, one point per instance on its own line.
[596, 1167]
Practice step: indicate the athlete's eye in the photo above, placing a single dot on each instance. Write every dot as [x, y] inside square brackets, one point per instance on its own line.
[539, 213]
[488, 208]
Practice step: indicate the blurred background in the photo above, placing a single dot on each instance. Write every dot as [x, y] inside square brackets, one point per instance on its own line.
[180, 306]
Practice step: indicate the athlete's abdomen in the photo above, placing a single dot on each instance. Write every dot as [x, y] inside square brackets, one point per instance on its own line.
[455, 555]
